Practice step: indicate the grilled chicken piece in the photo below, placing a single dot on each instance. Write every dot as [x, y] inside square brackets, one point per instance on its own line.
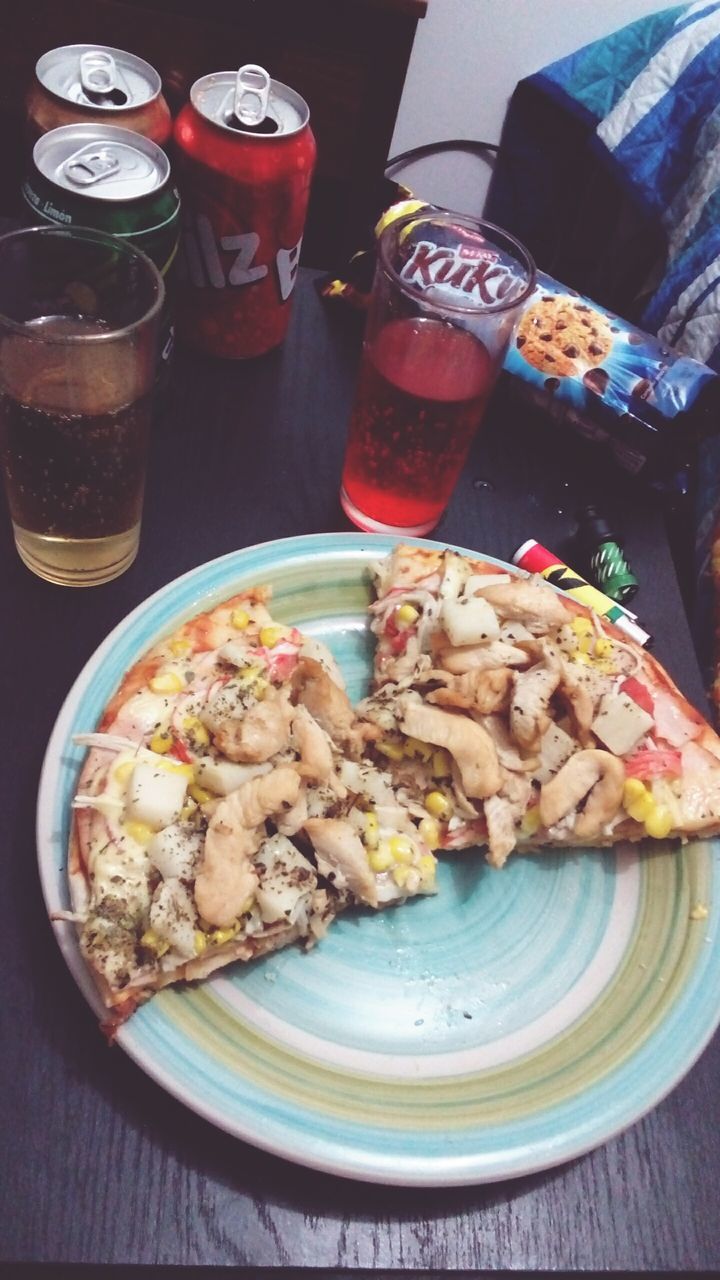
[314, 746]
[469, 744]
[481, 657]
[501, 829]
[530, 699]
[341, 857]
[477, 690]
[227, 879]
[533, 603]
[325, 700]
[260, 732]
[596, 774]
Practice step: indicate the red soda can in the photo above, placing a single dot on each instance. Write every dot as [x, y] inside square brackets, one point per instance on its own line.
[245, 158]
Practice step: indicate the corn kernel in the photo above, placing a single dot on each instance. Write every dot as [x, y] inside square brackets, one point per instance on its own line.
[641, 808]
[260, 688]
[194, 726]
[220, 936]
[582, 626]
[153, 942]
[429, 832]
[406, 615]
[441, 767]
[200, 942]
[603, 647]
[187, 811]
[438, 805]
[167, 682]
[140, 832]
[414, 747]
[122, 771]
[161, 742]
[633, 789]
[427, 867]
[381, 859]
[531, 821]
[584, 644]
[270, 636]
[659, 823]
[393, 750]
[240, 619]
[177, 766]
[400, 875]
[249, 674]
[180, 647]
[200, 795]
[371, 829]
[401, 848]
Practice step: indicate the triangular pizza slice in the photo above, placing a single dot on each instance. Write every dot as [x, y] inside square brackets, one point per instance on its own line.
[521, 719]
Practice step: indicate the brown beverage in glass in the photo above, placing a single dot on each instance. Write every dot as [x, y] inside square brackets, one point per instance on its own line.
[76, 379]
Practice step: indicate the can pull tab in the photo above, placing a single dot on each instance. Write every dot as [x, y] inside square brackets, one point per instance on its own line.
[97, 71]
[252, 90]
[88, 167]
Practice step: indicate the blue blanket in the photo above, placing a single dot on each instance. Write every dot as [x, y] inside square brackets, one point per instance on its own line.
[652, 94]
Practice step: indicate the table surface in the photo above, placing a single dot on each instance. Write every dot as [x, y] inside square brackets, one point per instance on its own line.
[100, 1165]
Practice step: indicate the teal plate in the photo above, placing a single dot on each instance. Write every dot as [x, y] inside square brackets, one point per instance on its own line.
[518, 1019]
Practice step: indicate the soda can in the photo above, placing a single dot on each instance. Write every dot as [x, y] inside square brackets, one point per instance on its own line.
[116, 181]
[85, 83]
[245, 154]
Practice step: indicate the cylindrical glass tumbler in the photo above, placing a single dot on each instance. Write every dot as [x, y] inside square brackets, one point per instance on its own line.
[79, 317]
[447, 295]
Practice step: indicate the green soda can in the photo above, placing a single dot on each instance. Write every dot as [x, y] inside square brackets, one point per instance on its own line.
[116, 181]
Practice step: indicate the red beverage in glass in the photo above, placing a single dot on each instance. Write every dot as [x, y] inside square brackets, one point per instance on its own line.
[447, 294]
[245, 154]
[421, 394]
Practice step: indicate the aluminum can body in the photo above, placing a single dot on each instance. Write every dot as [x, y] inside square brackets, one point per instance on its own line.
[245, 197]
[80, 83]
[116, 181]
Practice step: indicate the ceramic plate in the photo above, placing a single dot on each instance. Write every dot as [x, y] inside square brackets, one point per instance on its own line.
[516, 1020]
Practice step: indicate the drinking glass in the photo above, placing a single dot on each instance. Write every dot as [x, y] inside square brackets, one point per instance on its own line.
[79, 317]
[447, 294]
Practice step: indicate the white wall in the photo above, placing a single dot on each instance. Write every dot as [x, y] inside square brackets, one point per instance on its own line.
[467, 58]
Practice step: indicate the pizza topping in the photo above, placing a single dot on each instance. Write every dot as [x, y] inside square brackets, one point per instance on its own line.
[673, 723]
[532, 602]
[648, 763]
[175, 850]
[556, 746]
[327, 702]
[470, 746]
[530, 699]
[341, 857]
[494, 653]
[480, 691]
[155, 796]
[639, 693]
[223, 776]
[469, 621]
[594, 776]
[227, 879]
[173, 917]
[501, 829]
[260, 733]
[287, 881]
[621, 723]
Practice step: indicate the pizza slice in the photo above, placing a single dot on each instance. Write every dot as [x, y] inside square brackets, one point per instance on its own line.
[520, 719]
[218, 816]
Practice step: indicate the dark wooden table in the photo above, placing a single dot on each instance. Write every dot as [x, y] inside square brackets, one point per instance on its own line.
[99, 1165]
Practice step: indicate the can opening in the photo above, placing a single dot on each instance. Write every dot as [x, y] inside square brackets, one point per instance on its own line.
[268, 125]
[115, 98]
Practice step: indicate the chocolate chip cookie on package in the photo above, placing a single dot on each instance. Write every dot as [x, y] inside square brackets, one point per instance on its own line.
[562, 335]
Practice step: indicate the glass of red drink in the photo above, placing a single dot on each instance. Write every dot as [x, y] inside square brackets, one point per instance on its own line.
[447, 295]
